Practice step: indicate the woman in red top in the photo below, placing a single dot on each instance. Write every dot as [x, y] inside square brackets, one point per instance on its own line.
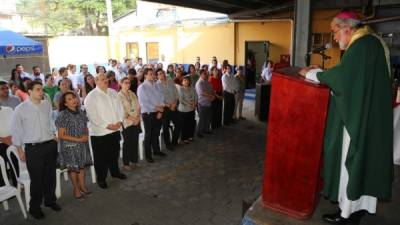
[216, 83]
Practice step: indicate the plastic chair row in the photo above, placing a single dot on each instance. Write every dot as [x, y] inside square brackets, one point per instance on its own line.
[7, 191]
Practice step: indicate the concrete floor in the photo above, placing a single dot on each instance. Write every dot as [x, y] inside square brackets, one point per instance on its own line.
[202, 183]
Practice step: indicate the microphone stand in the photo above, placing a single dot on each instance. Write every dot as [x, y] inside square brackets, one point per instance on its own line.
[324, 57]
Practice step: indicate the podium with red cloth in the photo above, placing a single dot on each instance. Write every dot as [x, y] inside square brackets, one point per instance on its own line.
[296, 125]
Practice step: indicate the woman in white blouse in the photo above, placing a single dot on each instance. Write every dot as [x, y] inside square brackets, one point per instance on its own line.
[131, 124]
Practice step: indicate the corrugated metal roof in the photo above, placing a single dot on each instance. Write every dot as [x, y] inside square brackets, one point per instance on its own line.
[234, 8]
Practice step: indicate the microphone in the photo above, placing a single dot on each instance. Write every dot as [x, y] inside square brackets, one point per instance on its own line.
[317, 50]
[321, 49]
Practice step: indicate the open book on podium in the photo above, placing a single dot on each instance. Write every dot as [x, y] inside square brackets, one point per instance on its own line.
[296, 124]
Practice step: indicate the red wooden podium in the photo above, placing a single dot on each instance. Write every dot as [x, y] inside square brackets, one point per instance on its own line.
[297, 116]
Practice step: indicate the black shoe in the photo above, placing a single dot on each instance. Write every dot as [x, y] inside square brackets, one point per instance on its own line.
[200, 135]
[54, 206]
[208, 132]
[160, 154]
[37, 214]
[335, 218]
[227, 124]
[150, 160]
[102, 184]
[170, 147]
[120, 176]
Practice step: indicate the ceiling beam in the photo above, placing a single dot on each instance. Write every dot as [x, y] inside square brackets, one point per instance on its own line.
[195, 5]
[262, 11]
[235, 3]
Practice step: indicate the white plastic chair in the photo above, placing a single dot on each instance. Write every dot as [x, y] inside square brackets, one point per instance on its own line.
[92, 170]
[58, 176]
[141, 148]
[23, 179]
[58, 180]
[7, 191]
[121, 144]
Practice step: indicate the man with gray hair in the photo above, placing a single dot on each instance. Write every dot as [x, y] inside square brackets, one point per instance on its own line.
[358, 146]
[105, 113]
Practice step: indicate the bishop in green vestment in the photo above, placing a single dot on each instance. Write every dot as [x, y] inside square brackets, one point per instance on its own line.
[358, 145]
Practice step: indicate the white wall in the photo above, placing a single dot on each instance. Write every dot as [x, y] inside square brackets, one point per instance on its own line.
[78, 50]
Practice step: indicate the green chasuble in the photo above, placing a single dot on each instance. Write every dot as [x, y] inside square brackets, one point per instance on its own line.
[360, 102]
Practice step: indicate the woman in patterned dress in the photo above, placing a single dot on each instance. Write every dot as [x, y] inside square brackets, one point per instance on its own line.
[74, 153]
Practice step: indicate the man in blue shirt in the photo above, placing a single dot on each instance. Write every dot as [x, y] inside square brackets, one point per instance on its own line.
[33, 127]
[206, 96]
[152, 107]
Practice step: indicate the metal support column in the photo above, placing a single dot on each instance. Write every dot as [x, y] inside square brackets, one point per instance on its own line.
[302, 29]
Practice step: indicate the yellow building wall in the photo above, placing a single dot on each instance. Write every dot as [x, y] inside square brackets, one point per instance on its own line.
[183, 44]
[206, 42]
[165, 37]
[278, 33]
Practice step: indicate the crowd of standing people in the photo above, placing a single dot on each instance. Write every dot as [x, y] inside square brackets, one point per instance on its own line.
[55, 120]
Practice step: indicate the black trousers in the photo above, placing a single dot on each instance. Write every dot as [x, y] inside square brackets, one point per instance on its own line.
[105, 154]
[229, 107]
[216, 121]
[169, 116]
[41, 160]
[130, 145]
[205, 117]
[152, 127]
[188, 124]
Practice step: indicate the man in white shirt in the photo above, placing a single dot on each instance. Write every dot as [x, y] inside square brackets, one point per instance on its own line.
[78, 79]
[214, 62]
[20, 71]
[139, 64]
[63, 74]
[266, 74]
[163, 62]
[230, 88]
[36, 75]
[115, 67]
[105, 113]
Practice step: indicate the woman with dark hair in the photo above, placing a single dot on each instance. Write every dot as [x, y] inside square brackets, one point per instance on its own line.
[179, 76]
[65, 85]
[16, 77]
[134, 80]
[131, 124]
[22, 92]
[205, 67]
[197, 66]
[112, 81]
[101, 70]
[74, 153]
[187, 106]
[193, 76]
[216, 83]
[170, 71]
[89, 85]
